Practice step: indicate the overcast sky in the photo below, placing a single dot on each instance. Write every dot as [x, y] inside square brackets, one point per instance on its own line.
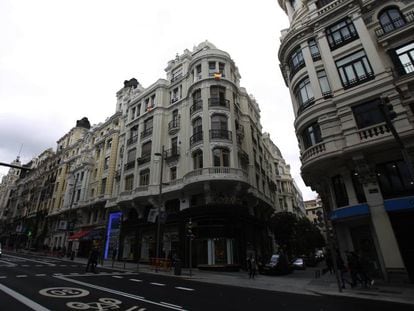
[63, 60]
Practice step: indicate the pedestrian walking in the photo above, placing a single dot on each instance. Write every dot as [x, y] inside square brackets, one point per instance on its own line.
[329, 262]
[251, 266]
[92, 260]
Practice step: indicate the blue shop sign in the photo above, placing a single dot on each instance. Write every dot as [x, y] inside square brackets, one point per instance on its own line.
[393, 205]
[349, 211]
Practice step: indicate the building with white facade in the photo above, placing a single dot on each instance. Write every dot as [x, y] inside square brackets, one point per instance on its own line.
[349, 66]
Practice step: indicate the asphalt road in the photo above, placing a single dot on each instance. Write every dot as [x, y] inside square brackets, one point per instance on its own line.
[38, 283]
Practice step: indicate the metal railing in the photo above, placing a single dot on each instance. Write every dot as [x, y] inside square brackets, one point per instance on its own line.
[218, 102]
[220, 134]
[196, 138]
[197, 105]
[396, 23]
[147, 132]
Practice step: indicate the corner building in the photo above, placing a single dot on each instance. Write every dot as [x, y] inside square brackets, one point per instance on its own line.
[216, 168]
[342, 59]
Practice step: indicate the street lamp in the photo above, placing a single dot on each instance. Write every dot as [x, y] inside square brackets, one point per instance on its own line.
[159, 207]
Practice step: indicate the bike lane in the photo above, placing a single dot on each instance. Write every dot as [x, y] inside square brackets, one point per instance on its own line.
[56, 293]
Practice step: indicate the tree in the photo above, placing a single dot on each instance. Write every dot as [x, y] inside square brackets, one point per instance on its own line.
[295, 235]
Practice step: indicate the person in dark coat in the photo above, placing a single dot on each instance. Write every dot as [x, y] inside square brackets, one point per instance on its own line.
[251, 266]
[93, 260]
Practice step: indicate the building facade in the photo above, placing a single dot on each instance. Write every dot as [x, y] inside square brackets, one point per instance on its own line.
[349, 67]
[188, 149]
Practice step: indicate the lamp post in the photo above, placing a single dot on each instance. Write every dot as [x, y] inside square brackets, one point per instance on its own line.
[157, 251]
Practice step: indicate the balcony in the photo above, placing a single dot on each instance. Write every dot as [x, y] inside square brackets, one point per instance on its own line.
[313, 151]
[358, 80]
[216, 173]
[219, 102]
[373, 131]
[396, 24]
[220, 134]
[129, 165]
[147, 132]
[197, 137]
[172, 154]
[144, 159]
[132, 140]
[174, 125]
[197, 105]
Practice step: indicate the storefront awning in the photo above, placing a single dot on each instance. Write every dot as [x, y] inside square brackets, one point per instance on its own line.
[78, 235]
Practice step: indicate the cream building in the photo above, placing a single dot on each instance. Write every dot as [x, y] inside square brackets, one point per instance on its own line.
[342, 60]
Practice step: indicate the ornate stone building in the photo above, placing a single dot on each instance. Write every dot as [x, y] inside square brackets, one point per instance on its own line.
[349, 67]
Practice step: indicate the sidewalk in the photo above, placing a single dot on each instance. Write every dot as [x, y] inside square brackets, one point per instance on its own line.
[299, 282]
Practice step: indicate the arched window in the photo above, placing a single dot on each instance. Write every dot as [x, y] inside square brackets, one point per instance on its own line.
[198, 159]
[221, 157]
[391, 19]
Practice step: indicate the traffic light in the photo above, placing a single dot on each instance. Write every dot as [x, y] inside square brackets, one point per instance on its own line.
[388, 108]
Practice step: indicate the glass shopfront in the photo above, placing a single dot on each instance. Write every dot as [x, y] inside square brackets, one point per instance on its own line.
[216, 251]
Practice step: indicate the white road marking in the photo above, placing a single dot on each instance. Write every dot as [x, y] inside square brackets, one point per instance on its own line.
[185, 288]
[40, 274]
[25, 266]
[112, 291]
[74, 265]
[3, 277]
[23, 299]
[135, 280]
[157, 284]
[74, 273]
[170, 305]
[21, 276]
[117, 277]
[39, 265]
[57, 273]
[9, 263]
[27, 259]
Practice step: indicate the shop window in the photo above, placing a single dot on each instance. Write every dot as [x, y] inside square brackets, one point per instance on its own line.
[311, 135]
[391, 19]
[354, 69]
[368, 114]
[341, 196]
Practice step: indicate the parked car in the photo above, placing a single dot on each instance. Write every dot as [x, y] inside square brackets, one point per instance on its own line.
[278, 265]
[299, 264]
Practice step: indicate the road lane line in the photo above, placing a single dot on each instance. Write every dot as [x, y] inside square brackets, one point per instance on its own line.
[170, 305]
[9, 263]
[117, 277]
[135, 280]
[21, 276]
[184, 288]
[3, 277]
[25, 266]
[23, 299]
[40, 274]
[157, 284]
[116, 292]
[42, 262]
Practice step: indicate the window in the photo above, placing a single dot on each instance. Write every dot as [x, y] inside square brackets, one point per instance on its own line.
[103, 186]
[174, 95]
[368, 114]
[211, 68]
[176, 74]
[341, 33]
[304, 94]
[144, 177]
[133, 135]
[354, 69]
[218, 94]
[221, 69]
[146, 149]
[314, 49]
[311, 135]
[131, 155]
[147, 128]
[221, 157]
[324, 83]
[132, 116]
[341, 196]
[106, 163]
[198, 159]
[394, 179]
[197, 131]
[198, 75]
[129, 182]
[138, 110]
[405, 56]
[296, 61]
[219, 122]
[108, 144]
[358, 187]
[174, 145]
[173, 173]
[391, 19]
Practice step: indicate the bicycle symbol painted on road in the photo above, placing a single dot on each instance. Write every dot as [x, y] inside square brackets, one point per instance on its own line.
[103, 304]
[64, 292]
